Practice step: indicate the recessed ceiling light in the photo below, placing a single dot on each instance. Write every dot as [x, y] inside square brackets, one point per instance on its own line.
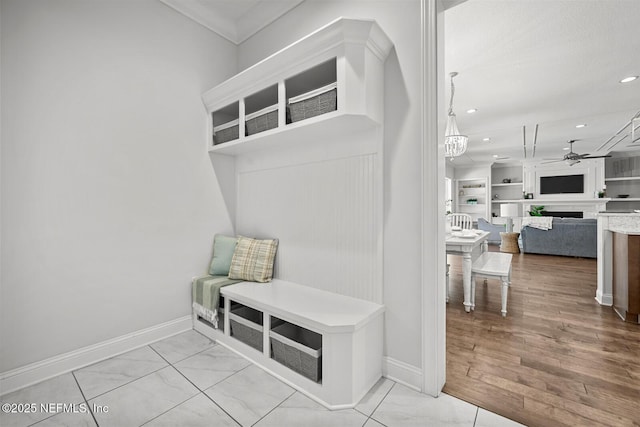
[581, 126]
[472, 110]
[566, 148]
[628, 79]
[495, 156]
[486, 139]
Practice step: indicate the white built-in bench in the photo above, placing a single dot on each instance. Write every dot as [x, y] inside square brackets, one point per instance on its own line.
[351, 329]
[492, 264]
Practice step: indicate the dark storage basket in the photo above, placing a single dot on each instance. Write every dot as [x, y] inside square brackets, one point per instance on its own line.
[226, 132]
[246, 326]
[299, 349]
[314, 103]
[221, 312]
[220, 319]
[262, 120]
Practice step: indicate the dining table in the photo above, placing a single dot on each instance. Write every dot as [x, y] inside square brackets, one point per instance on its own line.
[469, 245]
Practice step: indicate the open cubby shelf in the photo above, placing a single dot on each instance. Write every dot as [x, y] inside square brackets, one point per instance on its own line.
[302, 334]
[622, 177]
[472, 188]
[297, 348]
[334, 77]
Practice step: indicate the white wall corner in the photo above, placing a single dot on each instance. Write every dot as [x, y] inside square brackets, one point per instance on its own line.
[33, 373]
[207, 17]
[261, 15]
[402, 373]
[224, 168]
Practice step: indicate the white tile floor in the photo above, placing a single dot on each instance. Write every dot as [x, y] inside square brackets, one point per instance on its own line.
[188, 380]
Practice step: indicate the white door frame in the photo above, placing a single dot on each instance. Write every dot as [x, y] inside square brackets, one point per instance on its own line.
[433, 208]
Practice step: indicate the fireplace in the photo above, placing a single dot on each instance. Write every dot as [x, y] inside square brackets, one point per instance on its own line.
[567, 208]
[563, 214]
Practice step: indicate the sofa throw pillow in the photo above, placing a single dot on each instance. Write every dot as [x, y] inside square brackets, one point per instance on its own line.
[253, 259]
[223, 248]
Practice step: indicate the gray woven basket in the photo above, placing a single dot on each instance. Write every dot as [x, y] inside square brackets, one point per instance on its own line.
[311, 107]
[221, 318]
[262, 122]
[246, 326]
[227, 134]
[298, 349]
[221, 312]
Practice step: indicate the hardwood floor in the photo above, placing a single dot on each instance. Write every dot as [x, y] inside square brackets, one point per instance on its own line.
[557, 359]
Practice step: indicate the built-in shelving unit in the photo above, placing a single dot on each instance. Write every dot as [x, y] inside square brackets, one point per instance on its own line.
[472, 197]
[622, 176]
[344, 59]
[508, 184]
[336, 74]
[503, 191]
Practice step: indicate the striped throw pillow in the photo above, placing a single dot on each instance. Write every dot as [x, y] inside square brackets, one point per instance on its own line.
[253, 259]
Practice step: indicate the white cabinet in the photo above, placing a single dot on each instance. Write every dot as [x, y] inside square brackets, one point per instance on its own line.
[351, 340]
[327, 83]
[472, 197]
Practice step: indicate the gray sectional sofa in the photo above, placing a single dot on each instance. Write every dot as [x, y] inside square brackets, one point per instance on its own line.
[568, 237]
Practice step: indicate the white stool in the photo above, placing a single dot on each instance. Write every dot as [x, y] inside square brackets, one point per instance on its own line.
[492, 264]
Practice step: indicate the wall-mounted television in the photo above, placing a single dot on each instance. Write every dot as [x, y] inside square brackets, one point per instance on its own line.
[562, 184]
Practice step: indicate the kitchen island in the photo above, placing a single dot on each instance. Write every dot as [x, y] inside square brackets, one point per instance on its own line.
[608, 224]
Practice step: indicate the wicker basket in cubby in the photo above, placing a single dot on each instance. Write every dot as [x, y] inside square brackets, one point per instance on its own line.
[262, 120]
[226, 132]
[246, 326]
[299, 349]
[319, 101]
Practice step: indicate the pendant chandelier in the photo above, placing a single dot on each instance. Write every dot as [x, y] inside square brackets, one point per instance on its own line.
[454, 144]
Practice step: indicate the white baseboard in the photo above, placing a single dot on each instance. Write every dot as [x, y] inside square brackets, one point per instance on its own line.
[604, 299]
[402, 373]
[39, 371]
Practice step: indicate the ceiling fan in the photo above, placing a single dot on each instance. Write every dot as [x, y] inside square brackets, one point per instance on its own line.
[571, 158]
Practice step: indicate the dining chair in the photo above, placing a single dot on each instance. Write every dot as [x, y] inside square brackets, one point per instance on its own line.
[461, 220]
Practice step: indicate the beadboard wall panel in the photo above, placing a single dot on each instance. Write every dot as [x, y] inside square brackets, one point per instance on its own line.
[326, 214]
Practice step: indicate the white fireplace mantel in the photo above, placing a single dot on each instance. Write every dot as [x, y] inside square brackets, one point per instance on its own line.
[589, 207]
[563, 202]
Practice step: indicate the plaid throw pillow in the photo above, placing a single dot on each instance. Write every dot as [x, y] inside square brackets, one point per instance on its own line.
[253, 259]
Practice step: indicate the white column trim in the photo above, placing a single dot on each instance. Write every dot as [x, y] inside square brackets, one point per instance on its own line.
[433, 209]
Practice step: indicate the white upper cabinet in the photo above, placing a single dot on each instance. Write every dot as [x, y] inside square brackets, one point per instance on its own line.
[327, 83]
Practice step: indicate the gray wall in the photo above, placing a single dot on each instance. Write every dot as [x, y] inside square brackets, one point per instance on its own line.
[109, 201]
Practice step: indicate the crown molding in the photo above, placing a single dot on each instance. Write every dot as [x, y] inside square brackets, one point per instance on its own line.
[235, 29]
